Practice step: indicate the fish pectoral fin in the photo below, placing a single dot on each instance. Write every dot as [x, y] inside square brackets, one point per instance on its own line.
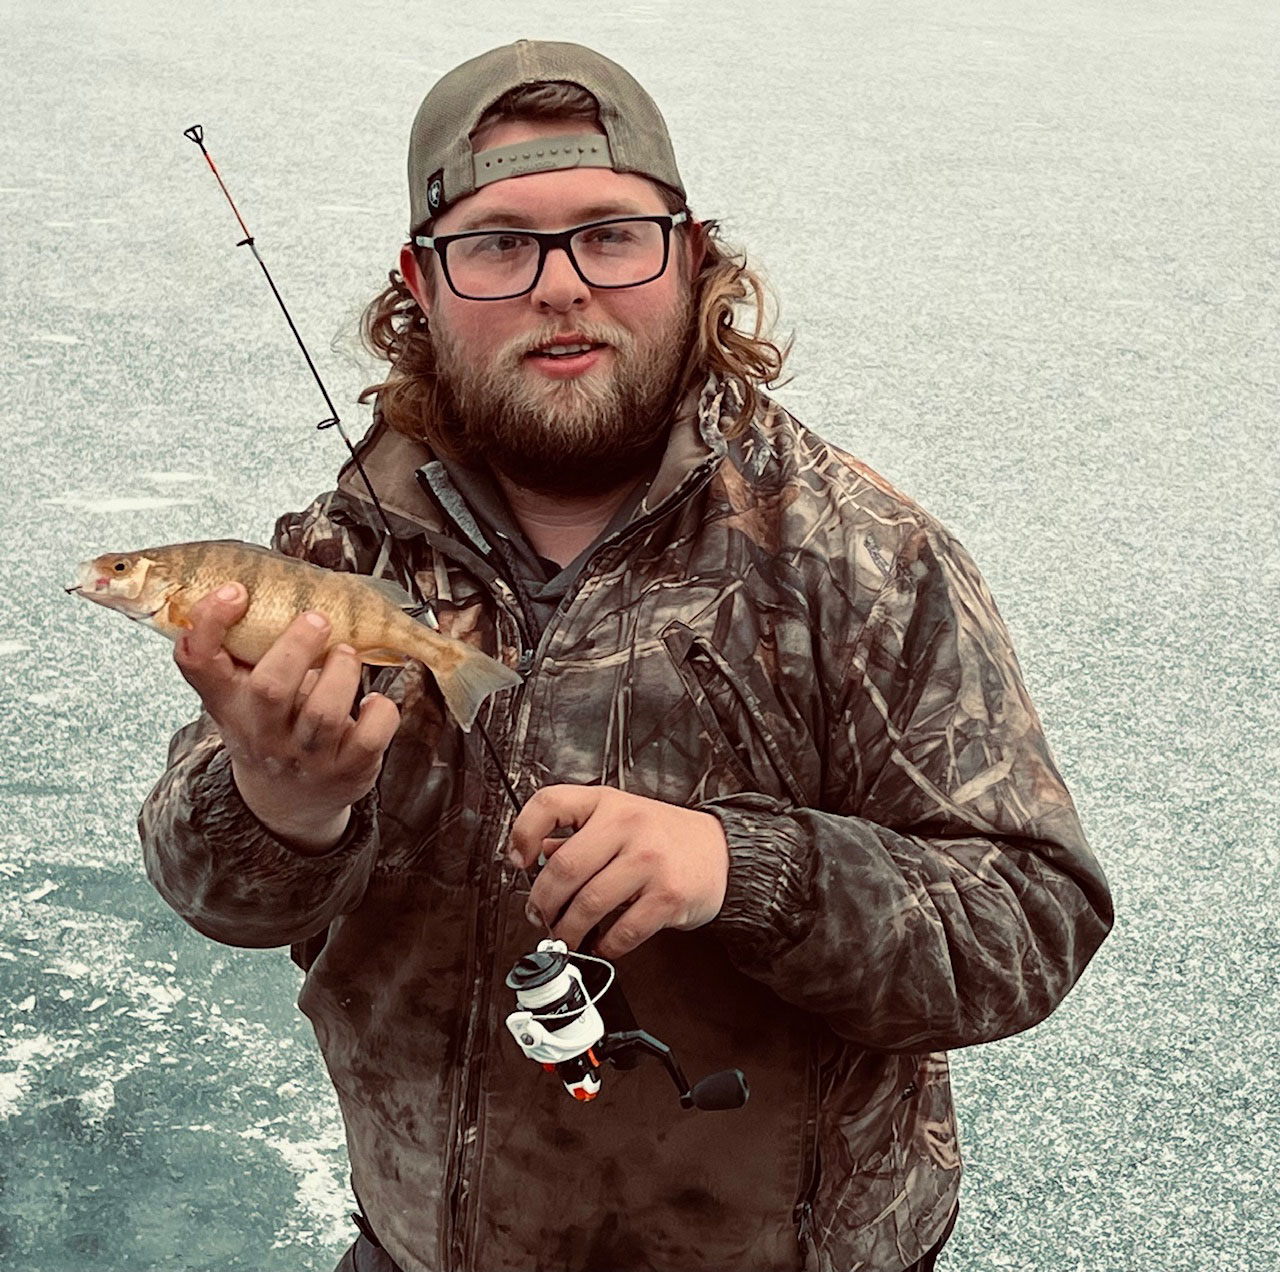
[173, 613]
[379, 657]
[169, 620]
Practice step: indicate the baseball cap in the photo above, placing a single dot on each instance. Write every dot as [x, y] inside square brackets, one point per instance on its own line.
[443, 168]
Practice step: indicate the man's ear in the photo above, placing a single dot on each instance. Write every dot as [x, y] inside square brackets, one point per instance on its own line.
[414, 280]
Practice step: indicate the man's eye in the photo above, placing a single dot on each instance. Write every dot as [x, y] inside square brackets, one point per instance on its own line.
[610, 236]
[495, 245]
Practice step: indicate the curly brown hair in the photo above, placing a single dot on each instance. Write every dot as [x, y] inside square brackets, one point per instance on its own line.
[725, 290]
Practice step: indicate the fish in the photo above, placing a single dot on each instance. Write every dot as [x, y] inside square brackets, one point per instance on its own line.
[158, 587]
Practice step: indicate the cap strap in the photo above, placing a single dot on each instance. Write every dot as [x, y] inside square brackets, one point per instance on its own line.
[590, 150]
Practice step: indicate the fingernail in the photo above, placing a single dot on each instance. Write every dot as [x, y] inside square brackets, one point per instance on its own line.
[318, 621]
[531, 913]
[229, 592]
[344, 649]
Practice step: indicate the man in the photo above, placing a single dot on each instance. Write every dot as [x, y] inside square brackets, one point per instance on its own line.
[812, 810]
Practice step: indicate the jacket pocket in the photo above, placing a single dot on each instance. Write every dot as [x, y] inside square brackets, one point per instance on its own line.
[733, 716]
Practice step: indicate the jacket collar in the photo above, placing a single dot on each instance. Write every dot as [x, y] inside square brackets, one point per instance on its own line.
[393, 461]
[695, 438]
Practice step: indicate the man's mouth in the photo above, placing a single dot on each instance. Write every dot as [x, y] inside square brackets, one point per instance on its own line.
[565, 349]
[566, 357]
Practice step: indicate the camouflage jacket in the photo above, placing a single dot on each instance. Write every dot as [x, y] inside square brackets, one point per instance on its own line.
[778, 637]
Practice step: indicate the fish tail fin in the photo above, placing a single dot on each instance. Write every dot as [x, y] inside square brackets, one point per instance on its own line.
[467, 685]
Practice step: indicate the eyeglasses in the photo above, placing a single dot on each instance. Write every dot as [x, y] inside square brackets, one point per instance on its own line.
[502, 264]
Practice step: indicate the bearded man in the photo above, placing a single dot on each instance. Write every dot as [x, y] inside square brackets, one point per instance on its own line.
[811, 808]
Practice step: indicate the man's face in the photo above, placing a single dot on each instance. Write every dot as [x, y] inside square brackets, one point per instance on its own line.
[573, 425]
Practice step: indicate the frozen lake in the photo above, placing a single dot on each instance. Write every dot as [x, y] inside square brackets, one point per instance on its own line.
[1029, 254]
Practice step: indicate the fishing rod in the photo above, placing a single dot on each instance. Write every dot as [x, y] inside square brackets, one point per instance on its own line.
[423, 609]
[558, 1019]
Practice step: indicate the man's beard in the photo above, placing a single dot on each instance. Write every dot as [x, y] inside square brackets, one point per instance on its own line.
[584, 435]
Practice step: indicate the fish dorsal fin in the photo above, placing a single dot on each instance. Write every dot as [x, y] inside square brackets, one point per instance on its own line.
[242, 543]
[392, 591]
[198, 543]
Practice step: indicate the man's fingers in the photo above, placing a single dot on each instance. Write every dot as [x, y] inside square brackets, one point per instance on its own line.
[635, 926]
[205, 665]
[575, 871]
[364, 743]
[324, 717]
[211, 616]
[548, 808]
[603, 894]
[275, 681]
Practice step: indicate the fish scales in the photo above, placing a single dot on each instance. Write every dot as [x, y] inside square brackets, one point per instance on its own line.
[159, 587]
[279, 589]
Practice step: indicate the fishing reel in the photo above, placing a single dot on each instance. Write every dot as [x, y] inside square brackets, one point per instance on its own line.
[559, 1023]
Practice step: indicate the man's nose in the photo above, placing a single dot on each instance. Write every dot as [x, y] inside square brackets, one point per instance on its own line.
[560, 288]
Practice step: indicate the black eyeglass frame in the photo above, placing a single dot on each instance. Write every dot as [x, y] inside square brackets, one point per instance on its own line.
[549, 240]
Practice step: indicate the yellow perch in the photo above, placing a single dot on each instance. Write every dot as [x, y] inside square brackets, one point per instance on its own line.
[159, 586]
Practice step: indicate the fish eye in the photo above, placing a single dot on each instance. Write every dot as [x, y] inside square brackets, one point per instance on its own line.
[119, 567]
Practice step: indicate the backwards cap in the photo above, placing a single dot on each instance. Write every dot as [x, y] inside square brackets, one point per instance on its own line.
[443, 169]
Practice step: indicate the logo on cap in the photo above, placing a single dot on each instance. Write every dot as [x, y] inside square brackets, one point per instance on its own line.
[435, 191]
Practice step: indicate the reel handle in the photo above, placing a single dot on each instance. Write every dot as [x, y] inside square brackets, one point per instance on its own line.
[724, 1090]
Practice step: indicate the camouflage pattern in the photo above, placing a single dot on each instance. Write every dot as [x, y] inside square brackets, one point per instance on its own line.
[779, 637]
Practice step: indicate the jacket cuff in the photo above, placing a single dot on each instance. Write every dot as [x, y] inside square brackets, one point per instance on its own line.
[227, 818]
[768, 902]
[228, 876]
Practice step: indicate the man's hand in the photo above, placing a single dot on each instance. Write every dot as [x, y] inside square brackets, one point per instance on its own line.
[668, 866]
[298, 758]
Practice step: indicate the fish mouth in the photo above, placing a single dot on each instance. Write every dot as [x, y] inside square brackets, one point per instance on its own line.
[79, 589]
[85, 573]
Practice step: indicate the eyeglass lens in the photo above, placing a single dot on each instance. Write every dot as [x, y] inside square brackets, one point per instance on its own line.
[505, 263]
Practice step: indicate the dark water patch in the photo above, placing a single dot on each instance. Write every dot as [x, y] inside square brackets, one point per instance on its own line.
[123, 1192]
[38, 789]
[110, 892]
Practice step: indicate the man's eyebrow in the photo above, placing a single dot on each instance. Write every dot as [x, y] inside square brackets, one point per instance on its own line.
[513, 219]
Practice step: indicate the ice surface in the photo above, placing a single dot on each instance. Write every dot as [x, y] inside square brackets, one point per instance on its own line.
[114, 503]
[1029, 254]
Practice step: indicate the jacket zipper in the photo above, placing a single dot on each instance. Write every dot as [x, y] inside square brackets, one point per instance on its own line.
[456, 1240]
[483, 943]
[488, 915]
[464, 1148]
[803, 1214]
